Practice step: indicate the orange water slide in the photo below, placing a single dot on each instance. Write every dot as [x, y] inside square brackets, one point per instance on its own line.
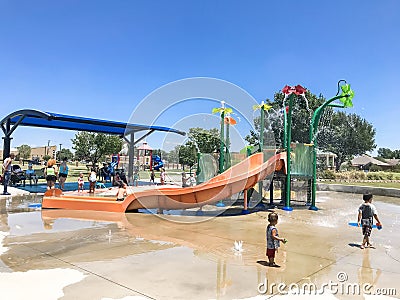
[239, 177]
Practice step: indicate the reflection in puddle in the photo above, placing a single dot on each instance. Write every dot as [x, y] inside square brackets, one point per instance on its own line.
[198, 258]
[27, 223]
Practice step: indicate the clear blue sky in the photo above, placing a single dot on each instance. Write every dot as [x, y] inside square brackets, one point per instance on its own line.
[101, 58]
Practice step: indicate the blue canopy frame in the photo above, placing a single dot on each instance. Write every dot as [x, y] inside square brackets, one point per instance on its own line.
[36, 118]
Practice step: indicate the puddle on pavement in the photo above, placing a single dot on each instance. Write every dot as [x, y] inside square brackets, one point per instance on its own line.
[193, 256]
[43, 284]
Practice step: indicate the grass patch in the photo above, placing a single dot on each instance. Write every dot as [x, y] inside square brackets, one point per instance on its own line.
[395, 185]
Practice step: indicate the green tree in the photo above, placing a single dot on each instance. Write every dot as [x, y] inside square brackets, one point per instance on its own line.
[203, 140]
[46, 157]
[173, 155]
[24, 151]
[207, 140]
[350, 135]
[64, 153]
[343, 134]
[95, 146]
[387, 153]
[274, 122]
[188, 154]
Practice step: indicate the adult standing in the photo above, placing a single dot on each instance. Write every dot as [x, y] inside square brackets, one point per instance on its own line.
[63, 173]
[7, 172]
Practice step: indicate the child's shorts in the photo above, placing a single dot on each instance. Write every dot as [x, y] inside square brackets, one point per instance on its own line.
[366, 230]
[271, 252]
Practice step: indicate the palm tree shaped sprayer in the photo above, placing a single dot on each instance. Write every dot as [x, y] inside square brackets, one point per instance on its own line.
[263, 107]
[223, 148]
[345, 98]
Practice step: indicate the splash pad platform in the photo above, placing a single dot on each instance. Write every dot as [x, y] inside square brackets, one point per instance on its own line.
[238, 178]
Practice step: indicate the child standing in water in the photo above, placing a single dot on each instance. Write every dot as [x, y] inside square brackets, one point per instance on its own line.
[273, 239]
[80, 182]
[162, 176]
[152, 176]
[92, 180]
[366, 214]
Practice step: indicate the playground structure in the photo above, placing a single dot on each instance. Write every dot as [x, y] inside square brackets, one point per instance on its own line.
[157, 163]
[147, 160]
[301, 158]
[238, 178]
[293, 161]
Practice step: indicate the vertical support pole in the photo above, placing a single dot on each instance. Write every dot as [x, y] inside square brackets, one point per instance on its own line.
[314, 179]
[262, 127]
[131, 155]
[7, 140]
[221, 146]
[221, 151]
[285, 127]
[271, 193]
[227, 146]
[6, 146]
[309, 191]
[288, 150]
[313, 140]
[245, 204]
[283, 189]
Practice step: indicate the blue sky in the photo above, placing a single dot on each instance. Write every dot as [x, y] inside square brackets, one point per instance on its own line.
[101, 58]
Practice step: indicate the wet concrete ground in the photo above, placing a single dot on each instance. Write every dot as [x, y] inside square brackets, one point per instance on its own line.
[58, 254]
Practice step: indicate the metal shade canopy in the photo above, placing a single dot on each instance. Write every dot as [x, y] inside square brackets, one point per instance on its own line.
[36, 118]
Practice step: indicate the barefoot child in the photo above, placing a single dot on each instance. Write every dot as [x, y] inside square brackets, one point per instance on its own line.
[121, 191]
[366, 214]
[273, 239]
[80, 182]
[92, 180]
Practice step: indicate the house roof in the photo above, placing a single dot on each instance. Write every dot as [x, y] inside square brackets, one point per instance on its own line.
[144, 146]
[366, 159]
[325, 153]
[393, 161]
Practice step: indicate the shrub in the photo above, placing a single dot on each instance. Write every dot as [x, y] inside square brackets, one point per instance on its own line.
[375, 168]
[375, 176]
[328, 174]
[359, 175]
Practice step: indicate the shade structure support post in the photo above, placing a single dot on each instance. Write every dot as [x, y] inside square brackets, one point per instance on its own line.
[131, 156]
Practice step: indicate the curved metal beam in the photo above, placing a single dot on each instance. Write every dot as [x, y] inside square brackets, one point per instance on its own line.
[27, 112]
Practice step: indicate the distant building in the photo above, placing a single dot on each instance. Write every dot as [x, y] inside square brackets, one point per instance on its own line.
[364, 162]
[40, 152]
[328, 157]
[37, 152]
[393, 161]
